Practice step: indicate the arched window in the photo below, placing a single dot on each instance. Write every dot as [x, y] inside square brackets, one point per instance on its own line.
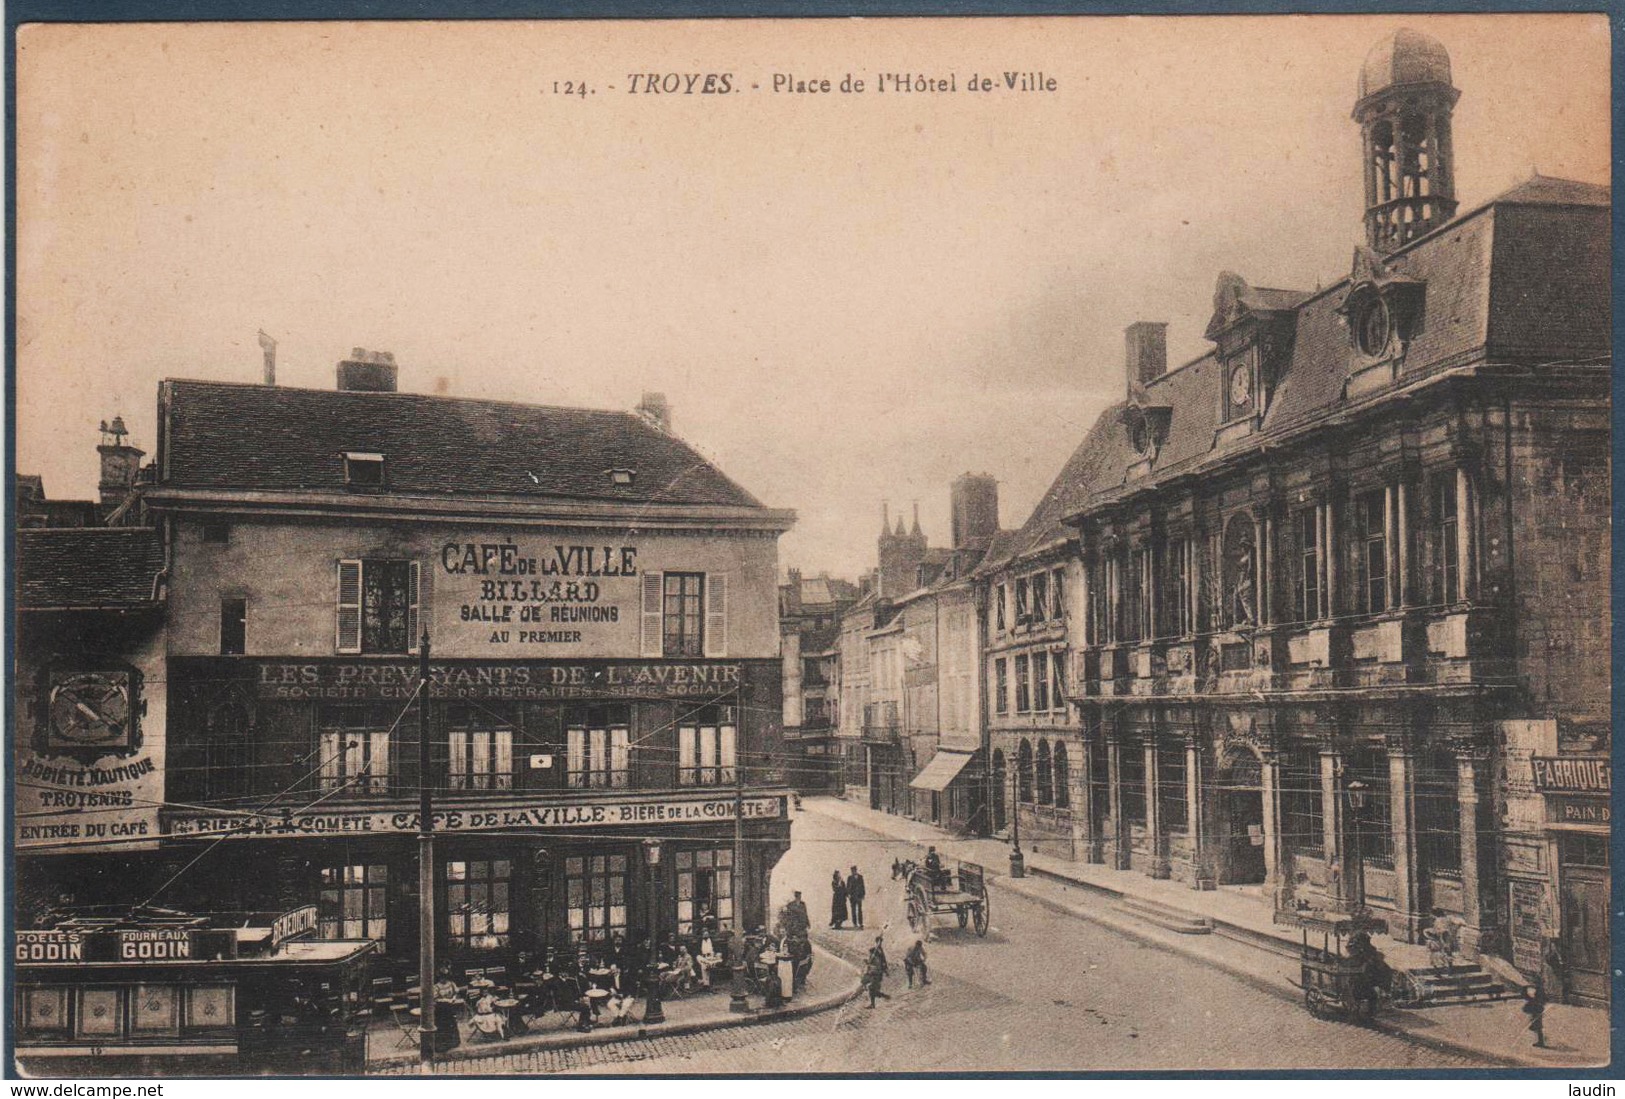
[1000, 789]
[228, 764]
[1063, 778]
[1024, 772]
[1046, 786]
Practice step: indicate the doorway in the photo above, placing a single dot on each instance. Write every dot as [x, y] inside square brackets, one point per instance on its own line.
[997, 791]
[1583, 897]
[1241, 819]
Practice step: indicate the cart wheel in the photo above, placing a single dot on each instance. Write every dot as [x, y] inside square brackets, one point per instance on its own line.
[1315, 1001]
[964, 917]
[981, 915]
[915, 916]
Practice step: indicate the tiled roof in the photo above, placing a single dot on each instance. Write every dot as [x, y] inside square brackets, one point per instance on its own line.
[247, 437]
[87, 566]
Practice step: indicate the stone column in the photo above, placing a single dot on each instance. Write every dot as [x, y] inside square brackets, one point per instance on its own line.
[1391, 526]
[1204, 872]
[1259, 599]
[1464, 536]
[1402, 558]
[1472, 909]
[1402, 822]
[1331, 809]
[1155, 831]
[1332, 602]
[1114, 790]
[1150, 592]
[1277, 868]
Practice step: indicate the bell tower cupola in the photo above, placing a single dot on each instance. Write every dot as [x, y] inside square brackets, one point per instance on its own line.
[1404, 106]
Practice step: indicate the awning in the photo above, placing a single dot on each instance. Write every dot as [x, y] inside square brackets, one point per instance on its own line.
[943, 769]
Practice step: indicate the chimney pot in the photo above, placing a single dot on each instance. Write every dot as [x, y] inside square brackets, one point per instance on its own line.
[656, 410]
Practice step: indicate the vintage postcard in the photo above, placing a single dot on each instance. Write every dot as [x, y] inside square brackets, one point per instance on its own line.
[995, 545]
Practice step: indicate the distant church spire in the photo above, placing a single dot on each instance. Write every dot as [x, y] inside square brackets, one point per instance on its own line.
[1404, 106]
[916, 531]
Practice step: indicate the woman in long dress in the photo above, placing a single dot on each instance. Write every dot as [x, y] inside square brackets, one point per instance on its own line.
[837, 904]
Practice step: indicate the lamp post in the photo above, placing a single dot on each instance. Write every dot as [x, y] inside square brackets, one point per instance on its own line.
[652, 1012]
[1018, 861]
[1356, 791]
[426, 928]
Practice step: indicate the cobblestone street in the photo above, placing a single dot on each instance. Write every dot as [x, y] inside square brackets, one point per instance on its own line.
[1041, 992]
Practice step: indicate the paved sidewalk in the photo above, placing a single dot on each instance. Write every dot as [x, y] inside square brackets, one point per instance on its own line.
[1247, 944]
[833, 982]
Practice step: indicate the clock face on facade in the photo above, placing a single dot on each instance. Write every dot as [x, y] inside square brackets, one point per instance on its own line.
[90, 710]
[1241, 386]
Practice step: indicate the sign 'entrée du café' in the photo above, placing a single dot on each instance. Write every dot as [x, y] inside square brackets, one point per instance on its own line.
[537, 681]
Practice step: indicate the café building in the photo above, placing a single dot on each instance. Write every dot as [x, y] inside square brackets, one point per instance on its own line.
[600, 606]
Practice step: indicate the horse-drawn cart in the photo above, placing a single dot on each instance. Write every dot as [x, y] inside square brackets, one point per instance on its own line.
[961, 892]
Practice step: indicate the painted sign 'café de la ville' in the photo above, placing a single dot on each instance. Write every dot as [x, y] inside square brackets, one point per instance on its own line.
[219, 671]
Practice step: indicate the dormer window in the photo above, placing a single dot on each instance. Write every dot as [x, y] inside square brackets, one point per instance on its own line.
[363, 469]
[621, 477]
[1373, 326]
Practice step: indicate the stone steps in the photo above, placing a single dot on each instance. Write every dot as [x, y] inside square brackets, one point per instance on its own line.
[1170, 919]
[1457, 984]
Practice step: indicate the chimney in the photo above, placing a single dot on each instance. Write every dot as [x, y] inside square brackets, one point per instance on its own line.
[368, 372]
[654, 408]
[975, 500]
[1147, 352]
[268, 345]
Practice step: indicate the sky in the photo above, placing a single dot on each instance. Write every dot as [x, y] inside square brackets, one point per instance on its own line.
[848, 299]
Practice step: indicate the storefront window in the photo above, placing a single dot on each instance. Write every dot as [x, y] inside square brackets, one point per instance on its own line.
[707, 748]
[354, 750]
[1438, 811]
[477, 904]
[598, 745]
[481, 759]
[595, 897]
[705, 892]
[1302, 812]
[1131, 764]
[1171, 780]
[352, 903]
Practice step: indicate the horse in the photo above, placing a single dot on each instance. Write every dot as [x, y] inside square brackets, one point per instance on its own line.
[903, 868]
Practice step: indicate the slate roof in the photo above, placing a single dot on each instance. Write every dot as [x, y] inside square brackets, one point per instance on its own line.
[87, 567]
[221, 435]
[1456, 263]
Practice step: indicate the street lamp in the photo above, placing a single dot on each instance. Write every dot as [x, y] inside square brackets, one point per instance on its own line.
[652, 1012]
[1018, 861]
[1356, 791]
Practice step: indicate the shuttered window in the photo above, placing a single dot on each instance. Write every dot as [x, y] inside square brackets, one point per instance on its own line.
[377, 606]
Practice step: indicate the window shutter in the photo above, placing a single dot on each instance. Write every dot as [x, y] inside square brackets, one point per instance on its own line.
[716, 614]
[577, 744]
[653, 594]
[686, 755]
[504, 759]
[349, 607]
[378, 765]
[728, 755]
[330, 747]
[457, 742]
[412, 627]
[619, 756]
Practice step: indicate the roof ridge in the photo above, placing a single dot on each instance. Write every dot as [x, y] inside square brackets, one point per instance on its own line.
[371, 393]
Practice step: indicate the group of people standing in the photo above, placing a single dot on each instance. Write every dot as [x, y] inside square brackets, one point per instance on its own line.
[847, 893]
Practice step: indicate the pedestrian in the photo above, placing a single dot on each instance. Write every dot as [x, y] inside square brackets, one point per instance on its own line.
[855, 892]
[914, 962]
[837, 901]
[875, 971]
[1558, 965]
[1534, 1006]
[933, 867]
[795, 919]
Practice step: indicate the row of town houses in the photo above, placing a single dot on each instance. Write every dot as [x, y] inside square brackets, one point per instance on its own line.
[1319, 614]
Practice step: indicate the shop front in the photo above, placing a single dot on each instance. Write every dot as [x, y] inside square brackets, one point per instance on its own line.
[1579, 816]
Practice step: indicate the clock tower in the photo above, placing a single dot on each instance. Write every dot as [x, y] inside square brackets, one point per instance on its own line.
[120, 464]
[1404, 105]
